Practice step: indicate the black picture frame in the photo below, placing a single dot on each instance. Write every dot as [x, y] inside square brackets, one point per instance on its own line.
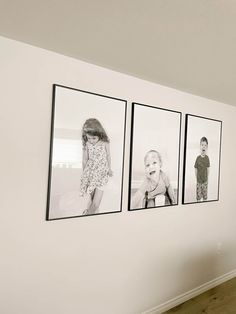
[155, 134]
[72, 111]
[202, 157]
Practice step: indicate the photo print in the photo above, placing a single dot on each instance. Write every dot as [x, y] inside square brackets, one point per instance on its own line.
[86, 154]
[202, 152]
[154, 157]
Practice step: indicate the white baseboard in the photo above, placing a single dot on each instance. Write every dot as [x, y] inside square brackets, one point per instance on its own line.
[190, 294]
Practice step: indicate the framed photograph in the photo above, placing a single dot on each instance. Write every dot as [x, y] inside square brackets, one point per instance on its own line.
[154, 157]
[86, 154]
[202, 152]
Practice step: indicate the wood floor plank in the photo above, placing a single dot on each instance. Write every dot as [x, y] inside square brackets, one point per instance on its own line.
[188, 307]
[219, 300]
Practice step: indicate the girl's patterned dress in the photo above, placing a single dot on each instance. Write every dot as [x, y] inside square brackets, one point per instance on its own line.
[96, 171]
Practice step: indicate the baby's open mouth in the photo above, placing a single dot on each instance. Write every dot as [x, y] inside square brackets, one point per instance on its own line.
[152, 172]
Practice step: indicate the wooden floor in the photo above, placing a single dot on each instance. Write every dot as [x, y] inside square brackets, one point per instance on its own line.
[219, 300]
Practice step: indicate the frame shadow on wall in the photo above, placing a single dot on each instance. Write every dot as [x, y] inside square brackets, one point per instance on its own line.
[86, 154]
[202, 152]
[154, 157]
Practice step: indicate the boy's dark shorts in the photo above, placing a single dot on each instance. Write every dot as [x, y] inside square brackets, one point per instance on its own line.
[201, 191]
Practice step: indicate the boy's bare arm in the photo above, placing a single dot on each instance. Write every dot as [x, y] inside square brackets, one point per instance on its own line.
[171, 194]
[136, 199]
[139, 195]
[208, 171]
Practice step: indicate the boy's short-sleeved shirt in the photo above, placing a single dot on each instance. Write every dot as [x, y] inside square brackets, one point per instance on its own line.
[201, 164]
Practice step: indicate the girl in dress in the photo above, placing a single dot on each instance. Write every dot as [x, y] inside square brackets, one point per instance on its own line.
[96, 163]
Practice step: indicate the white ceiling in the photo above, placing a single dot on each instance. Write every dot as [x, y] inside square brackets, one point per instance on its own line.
[186, 44]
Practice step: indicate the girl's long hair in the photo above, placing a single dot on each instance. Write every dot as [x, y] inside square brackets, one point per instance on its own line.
[93, 127]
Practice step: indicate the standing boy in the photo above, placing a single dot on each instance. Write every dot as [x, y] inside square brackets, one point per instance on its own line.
[202, 165]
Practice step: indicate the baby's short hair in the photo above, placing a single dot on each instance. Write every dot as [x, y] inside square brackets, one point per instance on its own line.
[154, 152]
[204, 139]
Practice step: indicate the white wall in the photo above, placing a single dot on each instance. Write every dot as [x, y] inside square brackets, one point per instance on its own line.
[121, 263]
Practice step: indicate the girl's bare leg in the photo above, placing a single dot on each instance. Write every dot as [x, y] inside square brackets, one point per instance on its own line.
[151, 203]
[90, 200]
[86, 211]
[96, 201]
